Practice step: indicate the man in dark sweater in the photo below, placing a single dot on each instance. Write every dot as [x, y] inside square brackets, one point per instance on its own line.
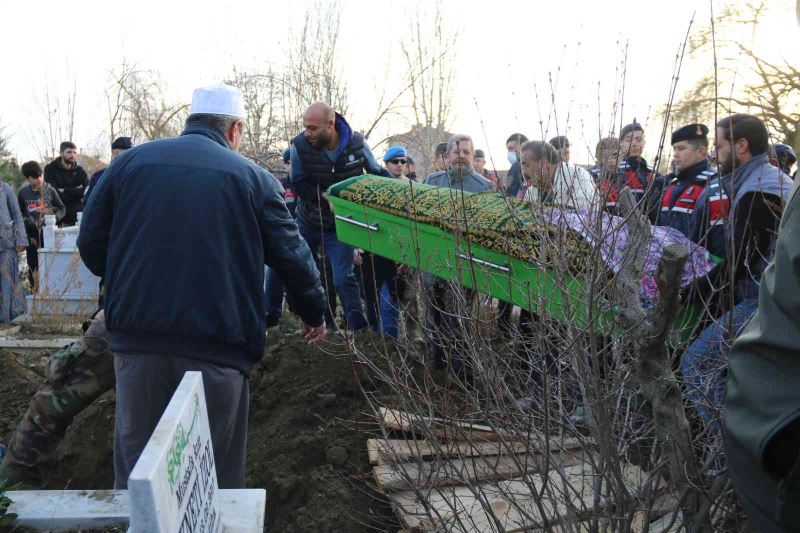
[185, 292]
[736, 220]
[69, 179]
[37, 199]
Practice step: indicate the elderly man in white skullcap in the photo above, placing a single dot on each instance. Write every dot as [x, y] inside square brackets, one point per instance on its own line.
[181, 230]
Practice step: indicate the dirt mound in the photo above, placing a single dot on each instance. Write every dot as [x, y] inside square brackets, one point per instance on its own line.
[306, 444]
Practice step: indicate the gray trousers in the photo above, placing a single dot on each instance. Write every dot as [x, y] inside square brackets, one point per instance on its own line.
[145, 384]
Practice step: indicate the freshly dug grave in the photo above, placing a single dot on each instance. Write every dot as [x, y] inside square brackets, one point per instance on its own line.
[307, 437]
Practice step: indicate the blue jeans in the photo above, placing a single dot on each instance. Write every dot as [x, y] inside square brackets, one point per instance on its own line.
[379, 280]
[344, 279]
[705, 363]
[273, 294]
[390, 313]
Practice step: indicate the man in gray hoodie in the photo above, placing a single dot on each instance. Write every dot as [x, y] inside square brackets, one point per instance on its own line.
[37, 199]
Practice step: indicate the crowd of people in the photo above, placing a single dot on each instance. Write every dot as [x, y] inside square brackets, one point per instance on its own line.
[187, 292]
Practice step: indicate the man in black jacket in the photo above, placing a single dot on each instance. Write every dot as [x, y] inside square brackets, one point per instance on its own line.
[118, 147]
[69, 179]
[183, 265]
[327, 152]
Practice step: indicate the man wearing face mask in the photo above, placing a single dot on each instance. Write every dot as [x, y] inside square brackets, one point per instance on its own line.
[514, 179]
[634, 172]
[185, 292]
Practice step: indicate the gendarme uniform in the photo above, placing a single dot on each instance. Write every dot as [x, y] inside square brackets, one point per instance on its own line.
[644, 183]
[635, 173]
[683, 190]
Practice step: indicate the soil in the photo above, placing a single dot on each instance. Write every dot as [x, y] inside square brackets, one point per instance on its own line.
[306, 444]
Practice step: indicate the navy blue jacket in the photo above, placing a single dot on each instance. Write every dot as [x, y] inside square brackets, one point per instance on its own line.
[681, 196]
[92, 184]
[181, 229]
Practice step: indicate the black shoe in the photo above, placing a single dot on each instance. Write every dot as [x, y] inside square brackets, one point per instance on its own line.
[273, 321]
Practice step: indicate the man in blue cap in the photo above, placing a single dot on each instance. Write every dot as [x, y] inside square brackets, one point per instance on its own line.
[383, 286]
[692, 173]
[396, 161]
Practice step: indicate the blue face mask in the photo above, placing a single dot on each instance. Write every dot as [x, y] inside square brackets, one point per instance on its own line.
[512, 157]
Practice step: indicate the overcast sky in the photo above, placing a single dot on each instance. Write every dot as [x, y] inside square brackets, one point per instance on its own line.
[508, 52]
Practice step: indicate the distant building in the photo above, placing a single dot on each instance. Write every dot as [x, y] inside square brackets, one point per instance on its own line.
[420, 142]
[90, 163]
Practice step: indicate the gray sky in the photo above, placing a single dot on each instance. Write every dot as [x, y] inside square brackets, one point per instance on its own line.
[507, 50]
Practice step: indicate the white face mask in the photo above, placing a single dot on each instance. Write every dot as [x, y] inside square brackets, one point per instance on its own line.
[512, 157]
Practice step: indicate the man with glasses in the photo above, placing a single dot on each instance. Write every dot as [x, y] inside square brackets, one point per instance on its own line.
[382, 285]
[396, 159]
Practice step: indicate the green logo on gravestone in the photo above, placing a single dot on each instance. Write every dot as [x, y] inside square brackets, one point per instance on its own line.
[179, 443]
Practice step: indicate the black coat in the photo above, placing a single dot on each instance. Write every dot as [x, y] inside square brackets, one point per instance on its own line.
[70, 184]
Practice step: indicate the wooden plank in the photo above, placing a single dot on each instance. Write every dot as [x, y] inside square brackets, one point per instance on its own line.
[664, 504]
[373, 452]
[469, 470]
[446, 429]
[662, 525]
[383, 451]
[567, 496]
[34, 344]
[7, 330]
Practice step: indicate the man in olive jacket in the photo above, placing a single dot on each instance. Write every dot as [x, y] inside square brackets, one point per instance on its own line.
[762, 407]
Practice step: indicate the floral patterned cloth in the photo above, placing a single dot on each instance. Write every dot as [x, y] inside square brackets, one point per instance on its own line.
[612, 236]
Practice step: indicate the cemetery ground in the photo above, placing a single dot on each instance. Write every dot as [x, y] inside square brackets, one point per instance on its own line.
[307, 441]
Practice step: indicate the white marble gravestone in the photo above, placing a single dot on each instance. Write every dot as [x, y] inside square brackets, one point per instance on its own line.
[173, 487]
[66, 287]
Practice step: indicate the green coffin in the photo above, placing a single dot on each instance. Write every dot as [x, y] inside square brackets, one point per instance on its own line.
[484, 241]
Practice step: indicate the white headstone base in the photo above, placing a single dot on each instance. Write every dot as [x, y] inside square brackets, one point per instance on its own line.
[242, 509]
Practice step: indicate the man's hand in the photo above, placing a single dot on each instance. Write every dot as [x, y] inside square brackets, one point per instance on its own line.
[358, 259]
[327, 199]
[314, 334]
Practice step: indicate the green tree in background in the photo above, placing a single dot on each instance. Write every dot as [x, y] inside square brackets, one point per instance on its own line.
[9, 168]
